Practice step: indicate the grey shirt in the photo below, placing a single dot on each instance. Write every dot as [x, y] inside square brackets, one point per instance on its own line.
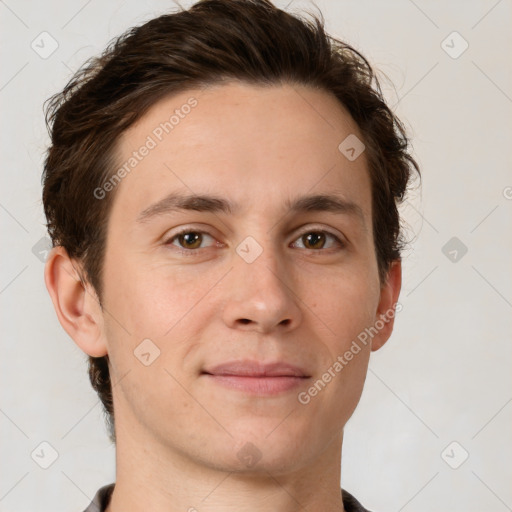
[102, 498]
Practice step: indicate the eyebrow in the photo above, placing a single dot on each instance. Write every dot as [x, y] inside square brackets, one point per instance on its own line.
[208, 203]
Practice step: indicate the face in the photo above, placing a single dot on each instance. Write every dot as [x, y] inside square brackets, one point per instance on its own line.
[222, 312]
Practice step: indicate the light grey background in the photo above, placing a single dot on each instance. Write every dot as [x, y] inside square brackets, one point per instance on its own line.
[445, 374]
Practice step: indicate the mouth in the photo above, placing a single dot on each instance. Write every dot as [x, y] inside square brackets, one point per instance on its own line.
[257, 378]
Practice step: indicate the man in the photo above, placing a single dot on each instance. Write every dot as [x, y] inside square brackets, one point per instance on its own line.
[221, 191]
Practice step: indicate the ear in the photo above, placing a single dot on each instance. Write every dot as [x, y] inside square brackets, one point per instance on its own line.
[76, 303]
[385, 315]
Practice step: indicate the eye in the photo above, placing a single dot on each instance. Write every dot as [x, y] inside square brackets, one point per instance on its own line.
[315, 240]
[190, 240]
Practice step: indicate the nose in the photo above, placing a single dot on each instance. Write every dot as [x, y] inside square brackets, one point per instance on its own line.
[261, 297]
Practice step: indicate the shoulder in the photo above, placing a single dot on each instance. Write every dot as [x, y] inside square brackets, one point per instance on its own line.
[351, 504]
[101, 499]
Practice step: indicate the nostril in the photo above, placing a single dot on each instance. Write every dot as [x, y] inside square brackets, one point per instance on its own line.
[245, 321]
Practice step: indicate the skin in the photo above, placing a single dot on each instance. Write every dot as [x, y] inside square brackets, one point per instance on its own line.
[178, 433]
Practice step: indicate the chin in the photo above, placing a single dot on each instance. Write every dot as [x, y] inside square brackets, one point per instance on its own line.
[253, 461]
[269, 446]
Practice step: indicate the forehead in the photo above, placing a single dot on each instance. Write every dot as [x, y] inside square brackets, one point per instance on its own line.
[254, 144]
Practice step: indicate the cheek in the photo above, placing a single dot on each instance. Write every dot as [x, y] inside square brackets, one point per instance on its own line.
[152, 318]
[160, 303]
[344, 303]
[149, 300]
[343, 308]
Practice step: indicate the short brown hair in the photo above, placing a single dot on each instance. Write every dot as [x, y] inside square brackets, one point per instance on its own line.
[212, 42]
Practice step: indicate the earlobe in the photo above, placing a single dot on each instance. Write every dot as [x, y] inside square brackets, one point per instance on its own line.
[75, 303]
[386, 311]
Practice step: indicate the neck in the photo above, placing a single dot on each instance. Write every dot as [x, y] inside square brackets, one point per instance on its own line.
[160, 478]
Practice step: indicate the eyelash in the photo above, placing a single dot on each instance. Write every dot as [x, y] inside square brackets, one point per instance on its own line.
[193, 252]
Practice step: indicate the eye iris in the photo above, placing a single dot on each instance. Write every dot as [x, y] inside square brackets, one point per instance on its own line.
[314, 240]
[190, 240]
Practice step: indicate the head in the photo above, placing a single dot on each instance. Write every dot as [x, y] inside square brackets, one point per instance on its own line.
[247, 109]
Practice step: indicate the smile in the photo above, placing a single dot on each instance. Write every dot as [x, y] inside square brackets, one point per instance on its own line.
[258, 385]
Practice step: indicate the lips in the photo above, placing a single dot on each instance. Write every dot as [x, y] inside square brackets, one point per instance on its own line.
[256, 369]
